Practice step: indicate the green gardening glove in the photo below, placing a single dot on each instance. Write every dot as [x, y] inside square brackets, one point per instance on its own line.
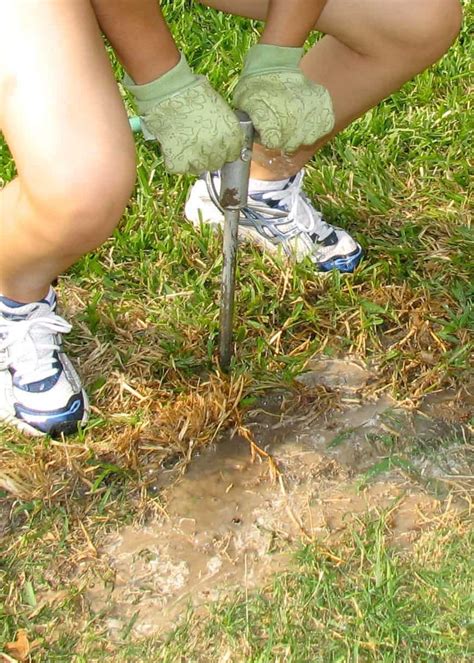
[287, 109]
[195, 127]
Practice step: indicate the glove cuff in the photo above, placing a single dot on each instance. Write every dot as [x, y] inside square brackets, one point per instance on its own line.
[264, 58]
[176, 79]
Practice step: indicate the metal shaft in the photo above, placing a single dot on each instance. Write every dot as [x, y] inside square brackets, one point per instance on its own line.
[233, 196]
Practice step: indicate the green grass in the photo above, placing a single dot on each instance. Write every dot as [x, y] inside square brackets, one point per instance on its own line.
[375, 604]
[145, 313]
[398, 178]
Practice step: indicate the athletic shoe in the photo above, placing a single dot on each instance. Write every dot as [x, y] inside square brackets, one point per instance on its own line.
[279, 217]
[40, 392]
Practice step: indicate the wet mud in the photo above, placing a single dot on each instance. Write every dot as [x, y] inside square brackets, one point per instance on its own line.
[228, 524]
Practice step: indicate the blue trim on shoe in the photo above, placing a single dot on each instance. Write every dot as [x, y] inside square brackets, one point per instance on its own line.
[54, 422]
[342, 263]
[41, 386]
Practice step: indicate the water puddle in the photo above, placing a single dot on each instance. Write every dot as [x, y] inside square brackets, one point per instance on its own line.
[226, 525]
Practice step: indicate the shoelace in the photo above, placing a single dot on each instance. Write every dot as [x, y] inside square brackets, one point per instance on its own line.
[33, 359]
[292, 197]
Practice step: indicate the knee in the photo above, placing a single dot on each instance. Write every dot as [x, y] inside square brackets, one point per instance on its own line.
[431, 27]
[84, 200]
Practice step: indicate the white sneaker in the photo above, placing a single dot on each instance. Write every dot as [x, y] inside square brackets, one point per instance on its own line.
[40, 392]
[279, 219]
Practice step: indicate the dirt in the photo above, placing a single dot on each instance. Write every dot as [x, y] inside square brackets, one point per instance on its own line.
[227, 525]
[230, 198]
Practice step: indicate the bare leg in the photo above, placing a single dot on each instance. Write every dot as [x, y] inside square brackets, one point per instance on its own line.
[139, 35]
[64, 121]
[370, 49]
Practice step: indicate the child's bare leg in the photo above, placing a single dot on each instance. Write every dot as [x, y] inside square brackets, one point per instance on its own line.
[64, 121]
[139, 35]
[370, 49]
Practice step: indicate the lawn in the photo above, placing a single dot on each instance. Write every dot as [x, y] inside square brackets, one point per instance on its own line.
[145, 314]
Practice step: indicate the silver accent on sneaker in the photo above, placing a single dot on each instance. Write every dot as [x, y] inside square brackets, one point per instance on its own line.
[282, 218]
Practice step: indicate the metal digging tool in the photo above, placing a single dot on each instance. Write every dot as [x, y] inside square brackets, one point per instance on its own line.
[232, 198]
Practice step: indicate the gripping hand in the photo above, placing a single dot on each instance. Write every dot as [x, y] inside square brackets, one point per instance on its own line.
[287, 109]
[195, 127]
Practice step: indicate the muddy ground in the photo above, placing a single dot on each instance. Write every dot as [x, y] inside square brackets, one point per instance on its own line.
[231, 520]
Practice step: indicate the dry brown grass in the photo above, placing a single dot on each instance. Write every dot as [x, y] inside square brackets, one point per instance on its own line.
[179, 416]
[177, 427]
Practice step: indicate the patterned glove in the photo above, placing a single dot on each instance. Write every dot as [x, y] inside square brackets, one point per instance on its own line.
[195, 127]
[287, 109]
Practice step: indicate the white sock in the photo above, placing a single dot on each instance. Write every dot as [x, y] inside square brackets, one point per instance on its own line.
[256, 186]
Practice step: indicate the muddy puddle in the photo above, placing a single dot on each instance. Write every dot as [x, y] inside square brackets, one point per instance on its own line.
[227, 525]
